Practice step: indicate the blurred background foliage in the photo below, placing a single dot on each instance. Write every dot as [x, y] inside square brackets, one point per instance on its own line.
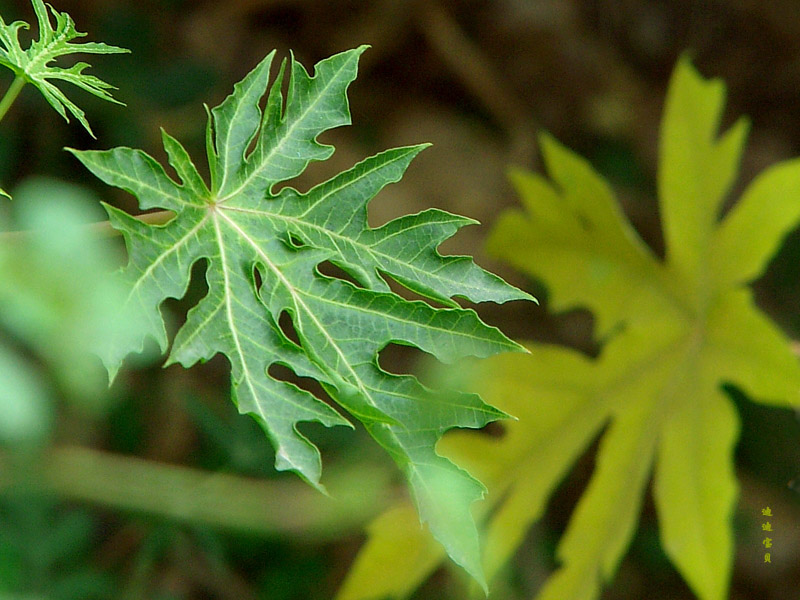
[160, 490]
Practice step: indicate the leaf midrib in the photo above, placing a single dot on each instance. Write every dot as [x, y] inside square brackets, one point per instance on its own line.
[355, 242]
[654, 276]
[602, 394]
[298, 303]
[163, 256]
[287, 135]
[48, 52]
[363, 388]
[234, 331]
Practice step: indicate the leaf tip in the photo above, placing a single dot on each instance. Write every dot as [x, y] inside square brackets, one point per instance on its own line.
[320, 487]
[113, 370]
[544, 138]
[79, 154]
[502, 415]
[551, 146]
[520, 348]
[82, 120]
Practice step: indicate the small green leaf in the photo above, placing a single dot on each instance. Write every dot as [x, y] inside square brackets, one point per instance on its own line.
[35, 66]
[264, 248]
[673, 333]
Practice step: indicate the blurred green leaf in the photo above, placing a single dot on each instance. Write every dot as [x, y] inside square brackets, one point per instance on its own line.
[673, 333]
[56, 296]
[24, 402]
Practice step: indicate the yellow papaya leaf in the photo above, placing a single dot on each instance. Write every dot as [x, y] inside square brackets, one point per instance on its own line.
[405, 551]
[673, 332]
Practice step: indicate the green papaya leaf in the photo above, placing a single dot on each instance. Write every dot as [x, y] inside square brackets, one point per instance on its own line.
[672, 333]
[34, 64]
[263, 250]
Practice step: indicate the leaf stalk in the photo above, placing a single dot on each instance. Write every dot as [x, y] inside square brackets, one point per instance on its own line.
[11, 94]
[101, 228]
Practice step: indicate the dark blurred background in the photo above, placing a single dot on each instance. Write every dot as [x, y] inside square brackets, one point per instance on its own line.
[478, 79]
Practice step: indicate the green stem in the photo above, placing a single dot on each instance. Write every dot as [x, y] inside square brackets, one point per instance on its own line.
[285, 507]
[102, 229]
[11, 95]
